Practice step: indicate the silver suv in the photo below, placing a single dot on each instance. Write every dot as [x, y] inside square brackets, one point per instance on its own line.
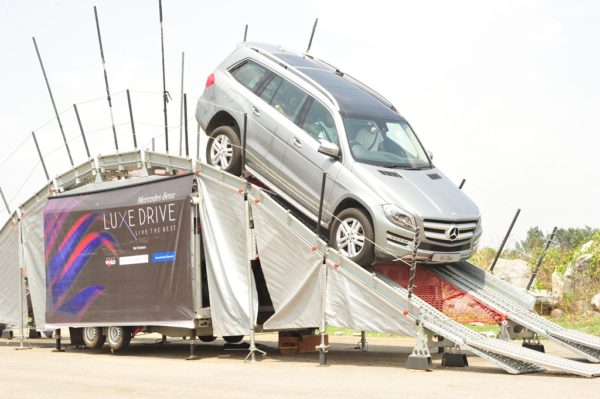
[305, 118]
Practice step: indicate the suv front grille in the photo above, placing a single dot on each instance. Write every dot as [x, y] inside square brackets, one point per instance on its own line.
[449, 233]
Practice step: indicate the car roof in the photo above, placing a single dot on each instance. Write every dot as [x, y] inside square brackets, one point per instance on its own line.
[353, 100]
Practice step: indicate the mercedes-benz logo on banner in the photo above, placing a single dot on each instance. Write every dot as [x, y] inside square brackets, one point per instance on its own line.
[452, 233]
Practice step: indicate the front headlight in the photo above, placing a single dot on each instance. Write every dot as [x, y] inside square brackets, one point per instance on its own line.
[400, 217]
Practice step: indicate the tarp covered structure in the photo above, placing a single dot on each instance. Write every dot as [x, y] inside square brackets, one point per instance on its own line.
[13, 308]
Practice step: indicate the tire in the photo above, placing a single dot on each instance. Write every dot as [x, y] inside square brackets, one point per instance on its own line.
[118, 338]
[224, 150]
[233, 339]
[352, 235]
[93, 337]
[207, 338]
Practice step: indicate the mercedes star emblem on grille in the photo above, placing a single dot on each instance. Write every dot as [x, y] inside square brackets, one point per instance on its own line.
[452, 233]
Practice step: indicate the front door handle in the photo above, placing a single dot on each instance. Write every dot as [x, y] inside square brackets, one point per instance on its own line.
[255, 111]
[297, 142]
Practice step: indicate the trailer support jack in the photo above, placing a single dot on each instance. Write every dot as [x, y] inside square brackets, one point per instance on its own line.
[192, 356]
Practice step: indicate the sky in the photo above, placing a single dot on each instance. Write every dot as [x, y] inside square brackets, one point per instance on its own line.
[504, 94]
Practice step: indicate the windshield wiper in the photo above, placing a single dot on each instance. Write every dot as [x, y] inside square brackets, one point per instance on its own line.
[407, 167]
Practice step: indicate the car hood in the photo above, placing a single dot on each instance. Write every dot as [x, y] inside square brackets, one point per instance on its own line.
[427, 193]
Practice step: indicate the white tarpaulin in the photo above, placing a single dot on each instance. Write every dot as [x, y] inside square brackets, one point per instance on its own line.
[32, 225]
[10, 281]
[225, 240]
[293, 270]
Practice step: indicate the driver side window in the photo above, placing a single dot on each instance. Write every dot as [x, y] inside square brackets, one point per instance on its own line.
[319, 124]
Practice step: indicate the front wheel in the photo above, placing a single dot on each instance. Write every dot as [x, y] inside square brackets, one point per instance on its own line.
[233, 339]
[118, 338]
[224, 150]
[353, 236]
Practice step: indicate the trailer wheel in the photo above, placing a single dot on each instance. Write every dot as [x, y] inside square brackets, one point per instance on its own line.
[118, 338]
[232, 339]
[224, 150]
[206, 338]
[352, 234]
[92, 337]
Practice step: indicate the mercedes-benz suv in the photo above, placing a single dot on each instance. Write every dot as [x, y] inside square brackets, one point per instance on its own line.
[305, 118]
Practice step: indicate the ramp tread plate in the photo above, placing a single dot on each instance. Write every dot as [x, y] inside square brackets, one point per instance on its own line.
[539, 358]
[582, 343]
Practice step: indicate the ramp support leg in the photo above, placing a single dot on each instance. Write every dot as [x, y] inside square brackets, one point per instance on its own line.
[192, 356]
[455, 358]
[534, 344]
[420, 359]
[362, 345]
[57, 347]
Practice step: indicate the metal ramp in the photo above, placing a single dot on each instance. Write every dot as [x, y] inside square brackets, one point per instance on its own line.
[512, 358]
[461, 275]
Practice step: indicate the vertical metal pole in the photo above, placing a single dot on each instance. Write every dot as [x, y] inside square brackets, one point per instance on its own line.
[131, 119]
[153, 144]
[165, 92]
[541, 258]
[181, 99]
[22, 299]
[185, 116]
[108, 98]
[244, 135]
[62, 131]
[413, 265]
[41, 157]
[319, 218]
[312, 35]
[5, 202]
[512, 224]
[462, 183]
[87, 150]
[246, 33]
[198, 144]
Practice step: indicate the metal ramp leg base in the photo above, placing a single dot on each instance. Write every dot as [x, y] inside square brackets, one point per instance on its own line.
[533, 346]
[450, 359]
[192, 355]
[420, 359]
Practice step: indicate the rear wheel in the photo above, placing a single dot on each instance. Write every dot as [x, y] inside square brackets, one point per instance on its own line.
[93, 337]
[352, 234]
[224, 150]
[232, 339]
[118, 338]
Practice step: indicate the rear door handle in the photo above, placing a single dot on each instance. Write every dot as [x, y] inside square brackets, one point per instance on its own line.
[255, 111]
[297, 142]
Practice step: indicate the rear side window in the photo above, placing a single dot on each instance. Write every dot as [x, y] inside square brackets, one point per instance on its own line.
[249, 74]
[319, 123]
[271, 88]
[288, 100]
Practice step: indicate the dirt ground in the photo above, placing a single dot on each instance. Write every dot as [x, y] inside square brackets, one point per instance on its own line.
[148, 370]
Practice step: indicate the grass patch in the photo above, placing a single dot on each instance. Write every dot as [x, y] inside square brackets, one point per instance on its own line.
[589, 324]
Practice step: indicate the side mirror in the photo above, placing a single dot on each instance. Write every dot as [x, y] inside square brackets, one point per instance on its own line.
[430, 155]
[330, 149]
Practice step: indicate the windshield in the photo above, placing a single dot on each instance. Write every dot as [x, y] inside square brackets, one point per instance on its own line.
[387, 143]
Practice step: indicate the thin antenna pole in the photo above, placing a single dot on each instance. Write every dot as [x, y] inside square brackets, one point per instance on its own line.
[165, 92]
[131, 119]
[181, 102]
[462, 183]
[244, 133]
[512, 224]
[153, 144]
[312, 35]
[112, 118]
[246, 32]
[187, 144]
[41, 157]
[62, 131]
[5, 202]
[87, 150]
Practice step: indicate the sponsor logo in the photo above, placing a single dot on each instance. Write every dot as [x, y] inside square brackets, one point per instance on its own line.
[133, 260]
[110, 261]
[159, 257]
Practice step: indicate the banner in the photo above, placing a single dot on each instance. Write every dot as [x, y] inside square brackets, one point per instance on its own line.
[120, 256]
[10, 290]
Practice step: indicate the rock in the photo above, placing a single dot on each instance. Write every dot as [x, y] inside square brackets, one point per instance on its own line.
[544, 301]
[596, 302]
[585, 247]
[514, 271]
[558, 284]
[556, 313]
